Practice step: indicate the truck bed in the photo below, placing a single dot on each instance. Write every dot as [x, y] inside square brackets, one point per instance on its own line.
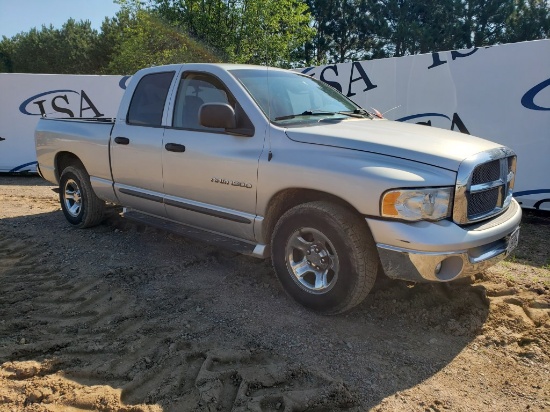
[87, 137]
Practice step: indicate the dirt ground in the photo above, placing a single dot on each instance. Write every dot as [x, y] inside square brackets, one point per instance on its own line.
[123, 317]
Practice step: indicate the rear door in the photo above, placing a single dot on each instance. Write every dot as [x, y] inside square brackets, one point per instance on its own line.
[136, 146]
[211, 182]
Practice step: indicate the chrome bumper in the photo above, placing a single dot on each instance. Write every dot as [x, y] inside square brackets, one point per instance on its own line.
[455, 251]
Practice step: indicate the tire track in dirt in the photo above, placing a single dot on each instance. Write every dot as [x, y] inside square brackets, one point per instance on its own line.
[519, 319]
[94, 330]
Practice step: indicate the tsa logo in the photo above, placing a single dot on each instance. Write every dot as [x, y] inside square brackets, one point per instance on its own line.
[68, 103]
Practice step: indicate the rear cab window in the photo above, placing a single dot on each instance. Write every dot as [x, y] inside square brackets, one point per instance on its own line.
[147, 105]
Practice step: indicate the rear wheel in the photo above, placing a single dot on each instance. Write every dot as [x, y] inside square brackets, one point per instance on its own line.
[324, 256]
[80, 205]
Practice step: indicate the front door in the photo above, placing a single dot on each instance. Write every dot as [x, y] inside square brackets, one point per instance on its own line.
[210, 175]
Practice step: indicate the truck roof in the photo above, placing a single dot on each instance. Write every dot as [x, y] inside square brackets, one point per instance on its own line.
[206, 66]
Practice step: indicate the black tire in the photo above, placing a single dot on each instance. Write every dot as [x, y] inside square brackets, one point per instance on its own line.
[80, 205]
[324, 257]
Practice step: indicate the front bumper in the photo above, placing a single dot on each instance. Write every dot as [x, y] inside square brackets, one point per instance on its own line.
[443, 251]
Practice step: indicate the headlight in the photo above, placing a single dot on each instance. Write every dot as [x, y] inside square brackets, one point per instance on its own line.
[417, 204]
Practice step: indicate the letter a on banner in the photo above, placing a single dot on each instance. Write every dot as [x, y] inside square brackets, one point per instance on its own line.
[84, 96]
[362, 76]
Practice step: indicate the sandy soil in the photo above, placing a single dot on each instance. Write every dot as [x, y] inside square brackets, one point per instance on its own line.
[123, 317]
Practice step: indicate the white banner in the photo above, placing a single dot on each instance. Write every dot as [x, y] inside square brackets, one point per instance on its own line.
[501, 93]
[26, 97]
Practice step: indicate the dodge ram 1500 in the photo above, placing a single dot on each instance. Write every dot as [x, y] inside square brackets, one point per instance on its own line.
[270, 162]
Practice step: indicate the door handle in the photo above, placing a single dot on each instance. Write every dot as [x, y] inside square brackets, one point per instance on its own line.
[174, 147]
[121, 140]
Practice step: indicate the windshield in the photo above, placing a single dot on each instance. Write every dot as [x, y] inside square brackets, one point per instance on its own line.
[291, 98]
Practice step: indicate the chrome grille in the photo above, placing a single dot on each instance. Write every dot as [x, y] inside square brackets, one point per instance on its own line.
[486, 172]
[482, 202]
[512, 164]
[484, 185]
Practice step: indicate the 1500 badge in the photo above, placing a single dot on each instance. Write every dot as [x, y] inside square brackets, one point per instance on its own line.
[231, 182]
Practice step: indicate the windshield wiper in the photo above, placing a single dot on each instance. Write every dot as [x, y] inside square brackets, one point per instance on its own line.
[306, 113]
[360, 113]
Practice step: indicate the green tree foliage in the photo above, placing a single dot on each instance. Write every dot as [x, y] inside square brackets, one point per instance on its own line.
[133, 39]
[530, 20]
[209, 21]
[109, 39]
[49, 50]
[245, 31]
[484, 21]
[407, 27]
[140, 39]
[345, 30]
[354, 29]
[6, 55]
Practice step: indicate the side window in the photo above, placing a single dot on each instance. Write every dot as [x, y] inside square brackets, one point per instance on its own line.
[194, 90]
[148, 100]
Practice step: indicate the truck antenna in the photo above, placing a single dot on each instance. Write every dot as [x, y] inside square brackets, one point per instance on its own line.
[393, 108]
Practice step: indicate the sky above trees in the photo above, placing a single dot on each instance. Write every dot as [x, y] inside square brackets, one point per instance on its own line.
[21, 16]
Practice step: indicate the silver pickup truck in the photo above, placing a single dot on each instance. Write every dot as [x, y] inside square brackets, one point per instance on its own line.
[269, 162]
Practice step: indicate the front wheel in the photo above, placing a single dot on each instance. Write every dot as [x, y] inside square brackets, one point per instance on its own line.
[324, 256]
[80, 205]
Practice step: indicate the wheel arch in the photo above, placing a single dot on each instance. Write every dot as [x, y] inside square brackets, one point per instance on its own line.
[286, 199]
[64, 159]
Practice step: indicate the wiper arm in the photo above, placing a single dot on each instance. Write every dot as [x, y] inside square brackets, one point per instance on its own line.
[306, 113]
[361, 113]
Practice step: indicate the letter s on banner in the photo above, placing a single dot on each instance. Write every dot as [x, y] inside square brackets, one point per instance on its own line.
[336, 85]
[528, 99]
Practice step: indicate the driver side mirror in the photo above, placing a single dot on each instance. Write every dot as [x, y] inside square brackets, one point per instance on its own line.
[217, 115]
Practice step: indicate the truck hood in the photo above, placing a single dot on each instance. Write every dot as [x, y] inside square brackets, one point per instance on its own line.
[430, 145]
